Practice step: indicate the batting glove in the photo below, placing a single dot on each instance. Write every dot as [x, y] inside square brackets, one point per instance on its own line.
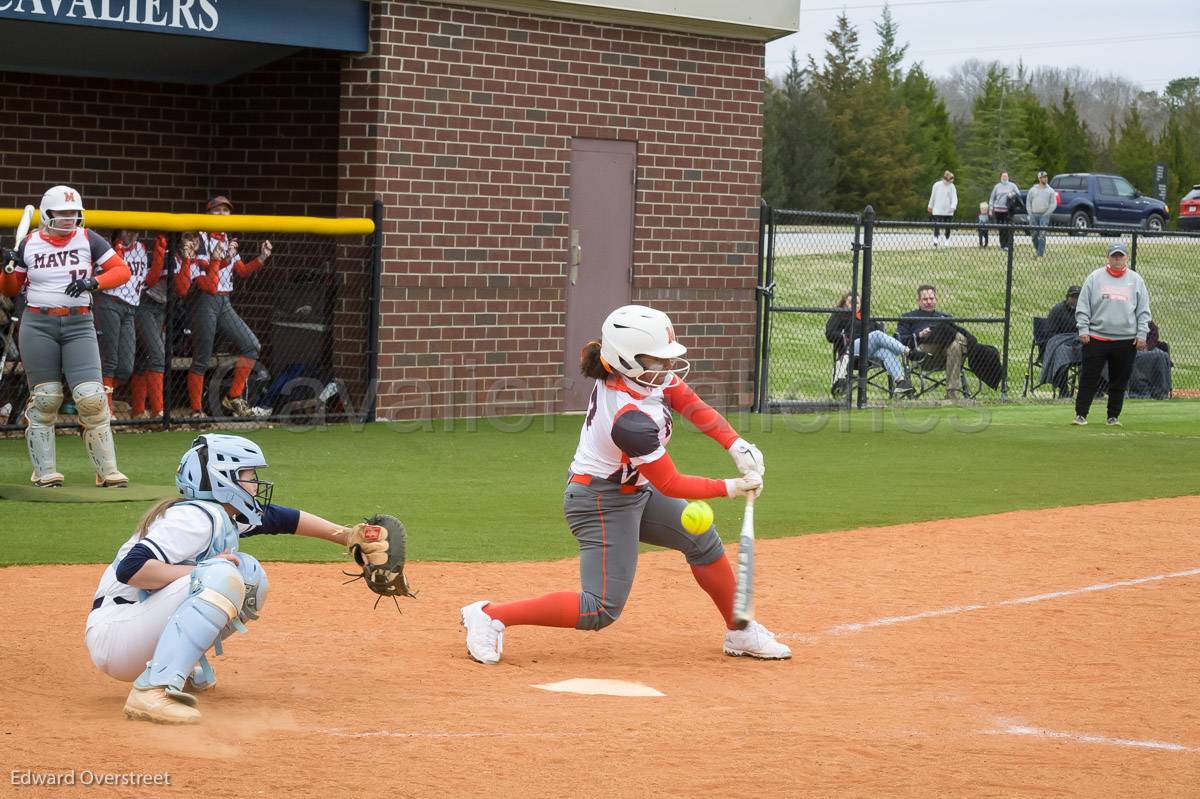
[746, 485]
[746, 457]
[81, 284]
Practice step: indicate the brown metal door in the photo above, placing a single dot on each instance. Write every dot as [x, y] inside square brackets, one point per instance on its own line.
[600, 248]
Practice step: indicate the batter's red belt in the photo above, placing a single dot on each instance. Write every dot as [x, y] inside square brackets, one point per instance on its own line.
[586, 480]
[74, 310]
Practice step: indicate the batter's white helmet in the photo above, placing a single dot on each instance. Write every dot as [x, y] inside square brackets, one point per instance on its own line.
[61, 198]
[634, 330]
[210, 470]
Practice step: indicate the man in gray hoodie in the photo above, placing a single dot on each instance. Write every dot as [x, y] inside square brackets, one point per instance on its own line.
[1113, 320]
[1040, 203]
[1000, 203]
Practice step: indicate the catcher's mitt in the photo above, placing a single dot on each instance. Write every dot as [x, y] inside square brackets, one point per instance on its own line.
[377, 546]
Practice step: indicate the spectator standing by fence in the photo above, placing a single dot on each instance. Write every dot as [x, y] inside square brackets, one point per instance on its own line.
[1040, 203]
[984, 219]
[943, 201]
[1113, 320]
[1003, 194]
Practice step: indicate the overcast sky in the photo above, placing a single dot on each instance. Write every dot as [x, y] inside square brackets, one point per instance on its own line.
[1149, 42]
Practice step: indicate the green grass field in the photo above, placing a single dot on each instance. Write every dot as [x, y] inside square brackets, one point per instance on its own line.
[474, 493]
[970, 283]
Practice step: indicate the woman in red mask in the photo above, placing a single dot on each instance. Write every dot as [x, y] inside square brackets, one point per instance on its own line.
[1113, 319]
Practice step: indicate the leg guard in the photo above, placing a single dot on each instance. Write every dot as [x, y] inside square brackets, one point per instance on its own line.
[216, 593]
[91, 401]
[255, 581]
[42, 413]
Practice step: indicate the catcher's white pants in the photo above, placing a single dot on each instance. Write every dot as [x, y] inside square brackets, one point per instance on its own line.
[121, 638]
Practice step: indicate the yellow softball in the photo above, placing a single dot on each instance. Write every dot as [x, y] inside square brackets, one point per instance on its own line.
[697, 517]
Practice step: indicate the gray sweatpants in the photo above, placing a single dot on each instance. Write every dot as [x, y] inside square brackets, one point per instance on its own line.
[212, 314]
[54, 346]
[152, 351]
[114, 331]
[609, 526]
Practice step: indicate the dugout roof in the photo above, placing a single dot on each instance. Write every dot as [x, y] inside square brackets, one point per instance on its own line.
[173, 41]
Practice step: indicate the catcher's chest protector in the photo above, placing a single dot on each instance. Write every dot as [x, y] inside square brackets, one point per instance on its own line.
[225, 534]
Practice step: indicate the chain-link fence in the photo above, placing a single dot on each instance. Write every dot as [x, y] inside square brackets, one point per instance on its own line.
[832, 282]
[295, 341]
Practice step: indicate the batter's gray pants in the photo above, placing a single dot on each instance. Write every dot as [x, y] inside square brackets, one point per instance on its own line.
[609, 526]
[54, 346]
[114, 331]
[152, 350]
[213, 313]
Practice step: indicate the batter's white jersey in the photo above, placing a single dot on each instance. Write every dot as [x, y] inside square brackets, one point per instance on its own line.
[139, 266]
[627, 425]
[51, 267]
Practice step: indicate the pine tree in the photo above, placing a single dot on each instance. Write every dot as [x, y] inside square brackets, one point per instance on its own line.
[1043, 135]
[930, 135]
[1173, 149]
[798, 158]
[838, 82]
[995, 139]
[1133, 156]
[1105, 155]
[1078, 152]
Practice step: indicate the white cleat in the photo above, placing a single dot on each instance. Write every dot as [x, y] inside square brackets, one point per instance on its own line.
[113, 480]
[156, 705]
[485, 635]
[755, 641]
[47, 480]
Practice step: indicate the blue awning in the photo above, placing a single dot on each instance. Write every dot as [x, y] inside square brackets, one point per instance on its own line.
[173, 41]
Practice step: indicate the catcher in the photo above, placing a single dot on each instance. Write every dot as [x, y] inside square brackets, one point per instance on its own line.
[179, 586]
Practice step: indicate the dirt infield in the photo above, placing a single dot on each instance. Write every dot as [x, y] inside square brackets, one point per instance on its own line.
[1049, 653]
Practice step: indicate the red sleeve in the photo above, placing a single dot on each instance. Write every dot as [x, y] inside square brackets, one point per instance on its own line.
[663, 475]
[183, 275]
[113, 273]
[10, 285]
[208, 279]
[243, 269]
[156, 264]
[700, 413]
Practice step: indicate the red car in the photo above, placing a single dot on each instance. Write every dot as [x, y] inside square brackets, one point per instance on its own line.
[1189, 210]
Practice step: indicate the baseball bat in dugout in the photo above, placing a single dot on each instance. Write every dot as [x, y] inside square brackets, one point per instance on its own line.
[743, 598]
[22, 231]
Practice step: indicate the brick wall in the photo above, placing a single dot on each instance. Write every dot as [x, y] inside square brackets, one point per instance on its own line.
[461, 120]
[267, 138]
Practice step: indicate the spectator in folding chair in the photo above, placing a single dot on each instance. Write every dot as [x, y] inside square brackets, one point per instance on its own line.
[845, 326]
[1151, 378]
[1060, 348]
[944, 343]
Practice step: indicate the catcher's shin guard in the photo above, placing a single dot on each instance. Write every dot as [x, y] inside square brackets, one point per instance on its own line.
[91, 401]
[42, 413]
[216, 593]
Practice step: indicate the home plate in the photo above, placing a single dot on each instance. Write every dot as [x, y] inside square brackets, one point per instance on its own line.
[581, 685]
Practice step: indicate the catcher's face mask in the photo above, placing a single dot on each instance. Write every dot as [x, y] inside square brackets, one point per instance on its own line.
[260, 490]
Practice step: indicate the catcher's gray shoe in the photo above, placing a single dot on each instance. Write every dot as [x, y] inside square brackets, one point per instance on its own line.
[156, 705]
[485, 635]
[202, 678]
[755, 641]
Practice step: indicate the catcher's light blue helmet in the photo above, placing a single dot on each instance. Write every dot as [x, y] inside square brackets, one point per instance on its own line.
[209, 470]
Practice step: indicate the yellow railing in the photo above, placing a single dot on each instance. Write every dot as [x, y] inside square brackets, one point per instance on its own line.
[178, 223]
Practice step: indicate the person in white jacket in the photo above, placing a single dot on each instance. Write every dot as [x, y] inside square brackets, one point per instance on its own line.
[943, 201]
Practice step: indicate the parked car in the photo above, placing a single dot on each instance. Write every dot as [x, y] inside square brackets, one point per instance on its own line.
[1189, 210]
[1093, 200]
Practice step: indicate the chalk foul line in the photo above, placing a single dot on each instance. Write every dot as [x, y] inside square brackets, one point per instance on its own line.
[1037, 732]
[886, 621]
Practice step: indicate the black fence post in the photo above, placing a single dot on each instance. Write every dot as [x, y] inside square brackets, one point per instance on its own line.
[861, 360]
[1008, 290]
[373, 328]
[759, 300]
[855, 250]
[1133, 251]
[765, 368]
